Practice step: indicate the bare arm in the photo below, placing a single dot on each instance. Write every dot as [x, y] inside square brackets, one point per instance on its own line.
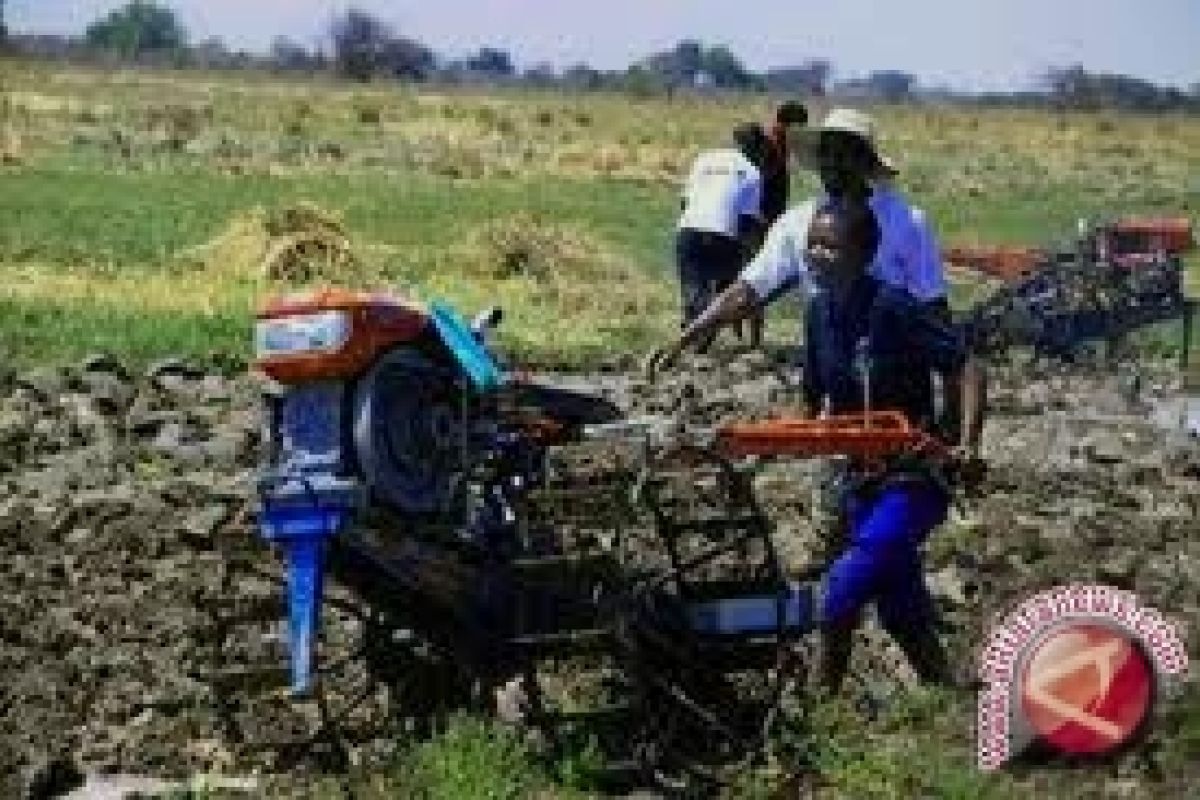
[777, 265]
[733, 305]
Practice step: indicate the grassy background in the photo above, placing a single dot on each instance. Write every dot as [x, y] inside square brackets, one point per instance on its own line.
[112, 179]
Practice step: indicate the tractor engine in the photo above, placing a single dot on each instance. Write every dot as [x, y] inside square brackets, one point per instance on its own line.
[382, 408]
[380, 402]
[376, 403]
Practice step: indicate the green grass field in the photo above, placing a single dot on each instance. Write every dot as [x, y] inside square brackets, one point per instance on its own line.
[112, 180]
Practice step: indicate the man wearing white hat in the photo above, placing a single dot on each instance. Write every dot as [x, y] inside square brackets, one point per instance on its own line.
[851, 167]
[877, 323]
[872, 345]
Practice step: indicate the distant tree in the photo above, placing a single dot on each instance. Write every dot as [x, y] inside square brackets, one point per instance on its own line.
[679, 66]
[726, 70]
[540, 75]
[492, 62]
[583, 77]
[365, 46]
[891, 86]
[359, 40]
[640, 81]
[408, 59]
[1074, 87]
[811, 77]
[138, 28]
[287, 54]
[1070, 87]
[690, 63]
[1124, 91]
[212, 53]
[3, 26]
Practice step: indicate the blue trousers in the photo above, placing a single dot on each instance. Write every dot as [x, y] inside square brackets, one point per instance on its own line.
[883, 562]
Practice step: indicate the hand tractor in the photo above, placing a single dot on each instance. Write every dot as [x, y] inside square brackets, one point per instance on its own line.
[1118, 277]
[594, 573]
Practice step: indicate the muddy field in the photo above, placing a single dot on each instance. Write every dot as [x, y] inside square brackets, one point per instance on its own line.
[134, 584]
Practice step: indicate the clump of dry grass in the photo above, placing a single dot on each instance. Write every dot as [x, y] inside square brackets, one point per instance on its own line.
[12, 151]
[178, 124]
[557, 265]
[525, 246]
[295, 244]
[306, 243]
[370, 114]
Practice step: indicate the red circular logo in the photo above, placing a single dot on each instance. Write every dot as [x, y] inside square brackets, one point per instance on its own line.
[1087, 688]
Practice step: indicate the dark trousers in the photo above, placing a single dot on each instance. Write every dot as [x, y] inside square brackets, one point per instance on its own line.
[708, 263]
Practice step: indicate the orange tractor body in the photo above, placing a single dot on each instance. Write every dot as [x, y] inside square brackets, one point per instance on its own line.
[1127, 242]
[356, 327]
[1007, 263]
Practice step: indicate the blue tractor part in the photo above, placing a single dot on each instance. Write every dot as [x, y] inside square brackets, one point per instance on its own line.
[793, 610]
[304, 501]
[301, 515]
[466, 345]
[399, 435]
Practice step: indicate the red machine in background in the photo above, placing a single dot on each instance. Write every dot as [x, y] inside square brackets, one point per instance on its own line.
[1131, 241]
[1007, 263]
[1127, 242]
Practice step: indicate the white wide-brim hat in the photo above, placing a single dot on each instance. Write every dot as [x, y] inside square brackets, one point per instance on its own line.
[849, 121]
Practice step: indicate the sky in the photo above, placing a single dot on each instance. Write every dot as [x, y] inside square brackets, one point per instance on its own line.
[963, 44]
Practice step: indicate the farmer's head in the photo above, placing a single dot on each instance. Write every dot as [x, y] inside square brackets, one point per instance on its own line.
[751, 140]
[791, 112]
[842, 239]
[846, 155]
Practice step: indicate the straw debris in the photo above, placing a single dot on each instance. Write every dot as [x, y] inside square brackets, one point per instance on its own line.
[557, 265]
[295, 244]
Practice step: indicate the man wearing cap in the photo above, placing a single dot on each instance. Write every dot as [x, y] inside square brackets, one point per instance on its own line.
[721, 218]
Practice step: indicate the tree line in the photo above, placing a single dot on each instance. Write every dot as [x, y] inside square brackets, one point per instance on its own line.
[361, 46]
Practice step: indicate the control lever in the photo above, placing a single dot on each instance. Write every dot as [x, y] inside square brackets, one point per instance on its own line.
[486, 321]
[862, 365]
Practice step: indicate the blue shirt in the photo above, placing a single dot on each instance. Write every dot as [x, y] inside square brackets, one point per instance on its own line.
[901, 340]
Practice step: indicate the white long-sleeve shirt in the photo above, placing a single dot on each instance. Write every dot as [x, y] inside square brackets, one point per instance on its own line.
[908, 256]
[722, 187]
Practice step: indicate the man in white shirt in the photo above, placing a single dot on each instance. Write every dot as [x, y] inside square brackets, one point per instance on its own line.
[852, 168]
[721, 216]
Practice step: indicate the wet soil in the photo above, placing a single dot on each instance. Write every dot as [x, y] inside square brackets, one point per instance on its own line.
[133, 579]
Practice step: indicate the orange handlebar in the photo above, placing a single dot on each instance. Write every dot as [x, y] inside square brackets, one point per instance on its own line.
[872, 435]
